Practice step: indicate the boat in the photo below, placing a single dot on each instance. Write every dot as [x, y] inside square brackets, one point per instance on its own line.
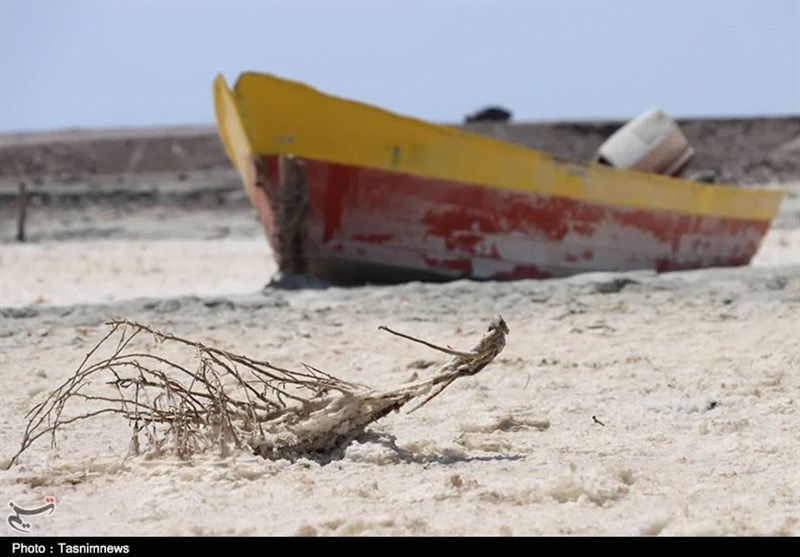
[351, 193]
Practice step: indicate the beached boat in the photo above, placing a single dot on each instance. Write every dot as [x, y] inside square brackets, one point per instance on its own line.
[352, 193]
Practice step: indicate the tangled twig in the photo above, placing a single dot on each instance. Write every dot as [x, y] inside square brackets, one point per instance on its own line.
[231, 399]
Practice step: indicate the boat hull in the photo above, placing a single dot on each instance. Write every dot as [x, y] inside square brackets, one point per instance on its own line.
[352, 193]
[362, 224]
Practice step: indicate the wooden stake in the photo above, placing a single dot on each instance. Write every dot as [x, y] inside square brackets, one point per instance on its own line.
[291, 214]
[22, 207]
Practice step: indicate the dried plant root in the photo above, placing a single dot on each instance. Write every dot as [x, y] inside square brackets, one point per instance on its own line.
[227, 399]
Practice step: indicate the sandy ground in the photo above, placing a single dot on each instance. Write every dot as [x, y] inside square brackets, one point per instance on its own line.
[695, 376]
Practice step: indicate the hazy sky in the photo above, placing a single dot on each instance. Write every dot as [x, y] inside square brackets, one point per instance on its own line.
[89, 64]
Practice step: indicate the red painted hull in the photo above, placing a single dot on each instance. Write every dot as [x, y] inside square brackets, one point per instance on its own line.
[361, 224]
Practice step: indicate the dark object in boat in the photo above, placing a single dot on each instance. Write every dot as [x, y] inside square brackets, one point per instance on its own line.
[489, 114]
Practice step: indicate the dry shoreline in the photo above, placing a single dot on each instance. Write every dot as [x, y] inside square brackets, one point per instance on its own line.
[695, 377]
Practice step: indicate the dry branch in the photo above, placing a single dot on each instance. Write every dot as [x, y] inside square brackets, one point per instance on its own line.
[229, 399]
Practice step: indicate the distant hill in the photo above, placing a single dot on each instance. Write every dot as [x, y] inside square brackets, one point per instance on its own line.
[743, 150]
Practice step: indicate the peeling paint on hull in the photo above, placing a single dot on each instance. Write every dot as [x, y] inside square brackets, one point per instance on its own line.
[365, 224]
